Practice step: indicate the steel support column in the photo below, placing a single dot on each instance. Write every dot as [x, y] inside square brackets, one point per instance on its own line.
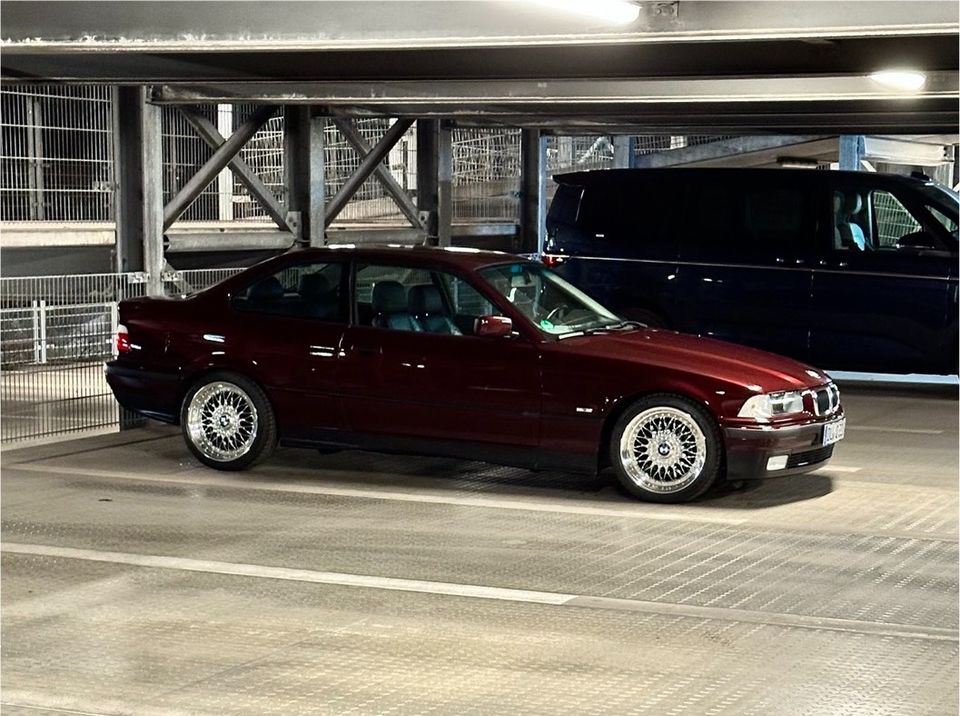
[128, 177]
[305, 173]
[623, 145]
[212, 136]
[444, 186]
[214, 165]
[367, 167]
[851, 152]
[428, 143]
[396, 192]
[533, 199]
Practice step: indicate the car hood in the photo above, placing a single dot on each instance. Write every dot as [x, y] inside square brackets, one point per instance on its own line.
[728, 362]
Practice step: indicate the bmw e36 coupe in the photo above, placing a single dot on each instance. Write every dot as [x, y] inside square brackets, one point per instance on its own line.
[463, 353]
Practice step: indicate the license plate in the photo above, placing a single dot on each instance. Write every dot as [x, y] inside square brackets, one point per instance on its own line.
[833, 432]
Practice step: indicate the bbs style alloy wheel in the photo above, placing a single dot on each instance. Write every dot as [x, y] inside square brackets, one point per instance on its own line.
[227, 422]
[666, 448]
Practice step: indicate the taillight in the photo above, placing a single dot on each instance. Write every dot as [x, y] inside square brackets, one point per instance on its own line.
[123, 339]
[551, 259]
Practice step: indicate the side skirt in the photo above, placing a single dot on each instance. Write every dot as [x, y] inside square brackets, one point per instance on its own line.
[509, 455]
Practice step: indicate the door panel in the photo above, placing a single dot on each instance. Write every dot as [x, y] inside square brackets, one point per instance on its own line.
[744, 272]
[879, 308]
[441, 386]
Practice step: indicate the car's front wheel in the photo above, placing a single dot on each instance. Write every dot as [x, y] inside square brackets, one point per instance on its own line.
[227, 422]
[666, 448]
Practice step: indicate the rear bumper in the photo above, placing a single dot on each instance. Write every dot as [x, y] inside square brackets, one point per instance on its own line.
[153, 394]
[749, 449]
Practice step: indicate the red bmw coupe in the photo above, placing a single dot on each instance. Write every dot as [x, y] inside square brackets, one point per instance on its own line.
[463, 353]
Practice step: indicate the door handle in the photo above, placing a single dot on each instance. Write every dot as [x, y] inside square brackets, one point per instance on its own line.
[367, 350]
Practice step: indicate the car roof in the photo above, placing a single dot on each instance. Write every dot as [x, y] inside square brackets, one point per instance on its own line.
[451, 256]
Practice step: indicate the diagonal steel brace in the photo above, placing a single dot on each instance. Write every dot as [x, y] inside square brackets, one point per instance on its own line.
[402, 199]
[215, 164]
[368, 166]
[211, 135]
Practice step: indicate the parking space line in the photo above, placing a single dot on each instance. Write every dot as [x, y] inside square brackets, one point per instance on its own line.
[880, 429]
[498, 503]
[484, 592]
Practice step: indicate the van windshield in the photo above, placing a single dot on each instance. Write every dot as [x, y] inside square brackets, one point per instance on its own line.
[554, 306]
[943, 203]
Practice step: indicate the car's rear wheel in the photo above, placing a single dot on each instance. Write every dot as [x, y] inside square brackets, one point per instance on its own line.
[666, 448]
[228, 422]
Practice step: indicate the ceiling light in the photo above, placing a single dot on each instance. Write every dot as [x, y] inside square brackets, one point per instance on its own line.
[904, 80]
[620, 12]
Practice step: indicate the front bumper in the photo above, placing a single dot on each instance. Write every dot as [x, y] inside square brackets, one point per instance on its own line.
[750, 448]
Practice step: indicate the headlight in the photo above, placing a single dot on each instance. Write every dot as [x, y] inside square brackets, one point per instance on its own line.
[772, 405]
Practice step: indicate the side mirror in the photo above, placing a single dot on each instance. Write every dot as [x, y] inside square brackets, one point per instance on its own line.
[492, 326]
[917, 240]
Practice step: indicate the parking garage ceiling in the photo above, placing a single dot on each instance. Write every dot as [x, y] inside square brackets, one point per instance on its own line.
[717, 66]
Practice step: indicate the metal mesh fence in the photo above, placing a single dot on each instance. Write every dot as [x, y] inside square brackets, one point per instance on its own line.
[55, 333]
[893, 220]
[486, 175]
[56, 153]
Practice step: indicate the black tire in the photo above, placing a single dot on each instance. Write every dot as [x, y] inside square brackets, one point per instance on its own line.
[262, 438]
[682, 444]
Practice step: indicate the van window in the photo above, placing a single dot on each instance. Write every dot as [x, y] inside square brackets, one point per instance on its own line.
[630, 219]
[891, 219]
[751, 219]
[566, 204]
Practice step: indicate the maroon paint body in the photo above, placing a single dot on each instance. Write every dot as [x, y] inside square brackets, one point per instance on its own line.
[526, 399]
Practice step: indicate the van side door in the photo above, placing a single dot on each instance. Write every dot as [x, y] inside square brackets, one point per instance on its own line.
[746, 245]
[881, 290]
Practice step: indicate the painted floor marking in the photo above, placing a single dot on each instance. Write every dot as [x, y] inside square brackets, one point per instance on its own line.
[879, 429]
[484, 592]
[499, 503]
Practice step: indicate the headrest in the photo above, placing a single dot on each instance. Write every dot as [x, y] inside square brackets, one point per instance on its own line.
[313, 285]
[838, 202]
[425, 299]
[854, 203]
[389, 297]
[267, 289]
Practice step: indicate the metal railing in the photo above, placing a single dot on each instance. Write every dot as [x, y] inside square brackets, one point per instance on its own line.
[55, 334]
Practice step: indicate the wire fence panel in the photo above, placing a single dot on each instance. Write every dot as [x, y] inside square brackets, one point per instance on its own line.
[190, 281]
[56, 153]
[486, 175]
[55, 334]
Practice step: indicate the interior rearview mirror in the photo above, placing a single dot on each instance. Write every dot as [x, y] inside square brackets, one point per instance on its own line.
[493, 326]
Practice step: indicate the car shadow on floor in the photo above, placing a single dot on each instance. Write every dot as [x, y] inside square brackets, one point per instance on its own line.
[754, 494]
[372, 469]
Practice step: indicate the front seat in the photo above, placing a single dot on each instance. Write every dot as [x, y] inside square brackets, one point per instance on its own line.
[390, 308]
[849, 232]
[426, 305]
[320, 301]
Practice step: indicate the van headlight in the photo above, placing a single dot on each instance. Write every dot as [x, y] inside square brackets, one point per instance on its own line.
[772, 405]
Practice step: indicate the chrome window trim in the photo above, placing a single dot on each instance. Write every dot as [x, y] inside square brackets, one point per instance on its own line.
[847, 272]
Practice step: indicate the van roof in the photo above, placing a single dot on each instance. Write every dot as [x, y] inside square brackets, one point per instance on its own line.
[599, 176]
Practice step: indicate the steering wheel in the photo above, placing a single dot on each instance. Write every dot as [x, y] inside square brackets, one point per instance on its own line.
[555, 312]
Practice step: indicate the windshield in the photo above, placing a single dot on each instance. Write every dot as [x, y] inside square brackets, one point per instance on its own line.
[943, 204]
[552, 305]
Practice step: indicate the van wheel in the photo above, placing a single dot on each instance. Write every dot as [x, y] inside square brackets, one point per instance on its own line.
[228, 422]
[646, 316]
[666, 448]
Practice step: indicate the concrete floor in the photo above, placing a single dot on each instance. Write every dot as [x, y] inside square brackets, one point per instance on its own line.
[135, 581]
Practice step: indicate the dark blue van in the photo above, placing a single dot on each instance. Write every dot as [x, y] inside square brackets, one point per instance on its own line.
[845, 270]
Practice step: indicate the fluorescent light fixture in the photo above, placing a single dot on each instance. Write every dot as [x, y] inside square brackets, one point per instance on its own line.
[620, 12]
[903, 80]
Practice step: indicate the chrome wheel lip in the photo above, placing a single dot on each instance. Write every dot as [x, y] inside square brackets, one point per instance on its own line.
[663, 450]
[222, 421]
